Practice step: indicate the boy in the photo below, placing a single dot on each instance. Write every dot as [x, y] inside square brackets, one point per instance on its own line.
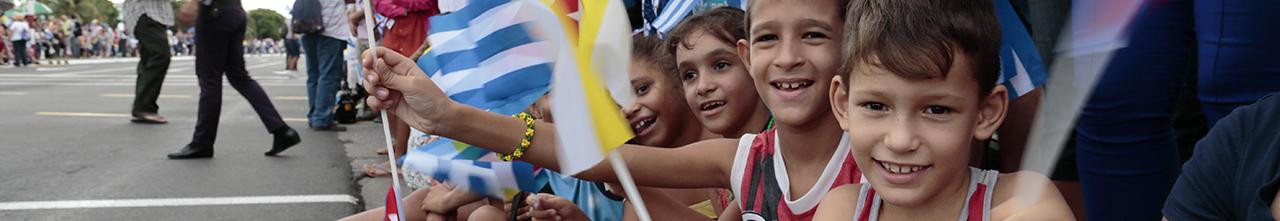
[791, 52]
[918, 78]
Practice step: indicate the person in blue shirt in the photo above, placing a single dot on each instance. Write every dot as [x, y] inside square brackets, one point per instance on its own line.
[1235, 171]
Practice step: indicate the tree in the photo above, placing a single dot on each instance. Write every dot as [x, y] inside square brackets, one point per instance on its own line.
[87, 10]
[265, 23]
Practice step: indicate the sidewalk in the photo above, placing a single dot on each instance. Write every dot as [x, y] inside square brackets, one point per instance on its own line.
[362, 141]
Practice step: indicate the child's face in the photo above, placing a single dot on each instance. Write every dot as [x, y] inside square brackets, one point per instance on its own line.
[911, 136]
[793, 49]
[716, 84]
[658, 116]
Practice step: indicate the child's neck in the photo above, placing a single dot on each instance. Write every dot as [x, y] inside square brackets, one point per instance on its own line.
[809, 143]
[757, 123]
[946, 205]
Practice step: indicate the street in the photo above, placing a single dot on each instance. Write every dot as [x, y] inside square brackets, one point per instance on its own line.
[69, 151]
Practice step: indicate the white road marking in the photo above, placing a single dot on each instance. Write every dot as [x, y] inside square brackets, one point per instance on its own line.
[168, 202]
[82, 114]
[12, 93]
[296, 119]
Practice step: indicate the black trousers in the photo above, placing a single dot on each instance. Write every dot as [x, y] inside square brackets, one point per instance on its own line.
[220, 51]
[20, 57]
[153, 63]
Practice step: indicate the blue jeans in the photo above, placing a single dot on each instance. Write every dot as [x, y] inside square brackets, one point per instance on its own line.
[324, 70]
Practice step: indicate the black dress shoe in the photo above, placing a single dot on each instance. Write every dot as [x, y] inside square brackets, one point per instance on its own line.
[284, 139]
[192, 152]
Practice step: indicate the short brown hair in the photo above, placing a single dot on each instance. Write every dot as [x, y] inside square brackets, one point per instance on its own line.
[747, 25]
[650, 50]
[723, 23]
[917, 39]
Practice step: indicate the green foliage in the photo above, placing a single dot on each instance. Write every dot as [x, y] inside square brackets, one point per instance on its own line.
[265, 23]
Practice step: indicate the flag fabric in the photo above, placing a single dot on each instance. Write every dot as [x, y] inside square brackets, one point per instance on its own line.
[484, 56]
[591, 82]
[1021, 68]
[493, 179]
[391, 211]
[662, 16]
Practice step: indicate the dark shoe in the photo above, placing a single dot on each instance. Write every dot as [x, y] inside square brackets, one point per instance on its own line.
[192, 152]
[331, 127]
[285, 138]
[149, 118]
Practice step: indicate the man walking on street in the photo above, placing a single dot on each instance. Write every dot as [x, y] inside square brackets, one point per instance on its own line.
[219, 50]
[148, 20]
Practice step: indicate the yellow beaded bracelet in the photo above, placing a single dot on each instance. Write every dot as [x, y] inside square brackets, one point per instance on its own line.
[525, 142]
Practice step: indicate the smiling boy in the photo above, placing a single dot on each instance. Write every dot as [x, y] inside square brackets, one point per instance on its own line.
[918, 81]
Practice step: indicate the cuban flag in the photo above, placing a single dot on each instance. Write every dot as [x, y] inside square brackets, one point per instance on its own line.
[1021, 68]
[662, 16]
[488, 55]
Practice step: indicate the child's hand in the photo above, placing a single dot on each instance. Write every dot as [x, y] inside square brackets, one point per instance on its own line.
[551, 207]
[398, 85]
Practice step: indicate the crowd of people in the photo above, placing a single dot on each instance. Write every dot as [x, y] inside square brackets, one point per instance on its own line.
[828, 110]
[54, 39]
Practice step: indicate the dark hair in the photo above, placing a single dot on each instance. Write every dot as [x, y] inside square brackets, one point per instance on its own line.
[650, 49]
[723, 23]
[747, 25]
[917, 39]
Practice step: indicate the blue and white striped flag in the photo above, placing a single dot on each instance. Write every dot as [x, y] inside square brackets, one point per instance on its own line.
[674, 11]
[493, 179]
[1021, 67]
[484, 55]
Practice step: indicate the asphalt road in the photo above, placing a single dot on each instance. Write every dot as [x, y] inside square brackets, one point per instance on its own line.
[69, 152]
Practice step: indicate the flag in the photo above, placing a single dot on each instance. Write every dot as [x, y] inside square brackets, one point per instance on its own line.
[591, 81]
[494, 179]
[391, 211]
[1021, 68]
[484, 56]
[667, 14]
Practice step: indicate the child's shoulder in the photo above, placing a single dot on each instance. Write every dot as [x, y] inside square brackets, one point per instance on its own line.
[1026, 195]
[839, 203]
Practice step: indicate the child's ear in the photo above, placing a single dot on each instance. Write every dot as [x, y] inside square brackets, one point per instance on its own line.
[839, 96]
[744, 52]
[991, 112]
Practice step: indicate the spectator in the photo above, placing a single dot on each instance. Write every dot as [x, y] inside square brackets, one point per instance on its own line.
[324, 62]
[20, 33]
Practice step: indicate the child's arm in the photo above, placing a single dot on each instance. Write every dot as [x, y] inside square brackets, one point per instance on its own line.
[839, 203]
[1044, 204]
[401, 87]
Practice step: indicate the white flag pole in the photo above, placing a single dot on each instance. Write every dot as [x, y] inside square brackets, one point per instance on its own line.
[386, 128]
[628, 185]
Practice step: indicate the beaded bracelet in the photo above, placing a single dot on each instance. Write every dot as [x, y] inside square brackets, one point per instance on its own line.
[524, 143]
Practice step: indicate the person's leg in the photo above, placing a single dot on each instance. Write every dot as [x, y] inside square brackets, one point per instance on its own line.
[331, 64]
[1127, 157]
[20, 53]
[411, 205]
[153, 65]
[239, 79]
[309, 42]
[209, 70]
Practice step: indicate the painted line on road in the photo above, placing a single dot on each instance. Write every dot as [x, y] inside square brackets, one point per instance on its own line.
[131, 95]
[96, 114]
[12, 93]
[82, 114]
[168, 202]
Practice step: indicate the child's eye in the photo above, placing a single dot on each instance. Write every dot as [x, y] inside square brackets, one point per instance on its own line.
[642, 89]
[937, 110]
[721, 65]
[766, 38]
[688, 75]
[874, 106]
[812, 35]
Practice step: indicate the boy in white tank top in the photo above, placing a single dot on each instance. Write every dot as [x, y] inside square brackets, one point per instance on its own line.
[916, 87]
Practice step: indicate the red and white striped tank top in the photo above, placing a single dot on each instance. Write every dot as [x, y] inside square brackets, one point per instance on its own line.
[981, 184]
[761, 184]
